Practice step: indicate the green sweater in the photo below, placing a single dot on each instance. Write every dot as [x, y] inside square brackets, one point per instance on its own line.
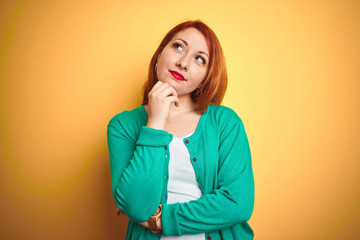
[220, 154]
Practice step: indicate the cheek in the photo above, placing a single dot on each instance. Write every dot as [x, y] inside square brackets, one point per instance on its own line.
[165, 58]
[200, 74]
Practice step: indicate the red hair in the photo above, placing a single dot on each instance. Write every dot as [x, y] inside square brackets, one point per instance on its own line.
[215, 83]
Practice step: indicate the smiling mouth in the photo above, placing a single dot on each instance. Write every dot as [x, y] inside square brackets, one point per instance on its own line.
[177, 75]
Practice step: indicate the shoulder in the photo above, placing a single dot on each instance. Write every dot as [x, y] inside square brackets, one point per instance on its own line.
[228, 123]
[223, 114]
[127, 115]
[128, 119]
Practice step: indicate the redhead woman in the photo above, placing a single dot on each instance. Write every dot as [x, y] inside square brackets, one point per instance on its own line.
[180, 163]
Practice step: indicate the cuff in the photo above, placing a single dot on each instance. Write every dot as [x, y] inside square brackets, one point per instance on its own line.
[169, 221]
[153, 137]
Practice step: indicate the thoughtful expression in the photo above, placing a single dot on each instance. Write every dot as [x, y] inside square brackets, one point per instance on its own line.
[183, 63]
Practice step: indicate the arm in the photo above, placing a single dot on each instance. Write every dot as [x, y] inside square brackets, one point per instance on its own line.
[136, 169]
[231, 203]
[137, 166]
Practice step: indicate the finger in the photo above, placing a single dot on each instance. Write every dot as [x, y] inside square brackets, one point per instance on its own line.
[173, 99]
[167, 91]
[156, 86]
[118, 211]
[163, 92]
[145, 224]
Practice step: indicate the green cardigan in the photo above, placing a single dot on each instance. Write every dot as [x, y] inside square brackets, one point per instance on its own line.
[220, 154]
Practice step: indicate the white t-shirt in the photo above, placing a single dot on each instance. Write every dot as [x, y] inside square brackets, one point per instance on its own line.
[182, 184]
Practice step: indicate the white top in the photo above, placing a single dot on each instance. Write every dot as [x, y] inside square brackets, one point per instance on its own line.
[182, 184]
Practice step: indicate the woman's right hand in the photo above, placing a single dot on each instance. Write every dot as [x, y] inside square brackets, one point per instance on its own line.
[161, 96]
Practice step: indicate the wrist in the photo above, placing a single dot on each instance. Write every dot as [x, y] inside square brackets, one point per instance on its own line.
[155, 124]
[155, 221]
[159, 224]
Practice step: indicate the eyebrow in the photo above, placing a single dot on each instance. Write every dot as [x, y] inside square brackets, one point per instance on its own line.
[188, 45]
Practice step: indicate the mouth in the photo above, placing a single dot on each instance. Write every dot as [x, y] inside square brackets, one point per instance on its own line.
[177, 75]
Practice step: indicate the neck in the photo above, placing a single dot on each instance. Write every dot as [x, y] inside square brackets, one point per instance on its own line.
[185, 105]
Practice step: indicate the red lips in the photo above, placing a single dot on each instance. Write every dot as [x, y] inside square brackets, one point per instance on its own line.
[177, 75]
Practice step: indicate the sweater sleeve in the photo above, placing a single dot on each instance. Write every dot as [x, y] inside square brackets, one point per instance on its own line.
[137, 167]
[230, 203]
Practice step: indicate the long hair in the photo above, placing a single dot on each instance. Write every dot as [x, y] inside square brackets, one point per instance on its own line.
[215, 83]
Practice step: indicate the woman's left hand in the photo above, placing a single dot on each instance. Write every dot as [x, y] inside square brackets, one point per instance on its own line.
[145, 224]
[118, 211]
[158, 223]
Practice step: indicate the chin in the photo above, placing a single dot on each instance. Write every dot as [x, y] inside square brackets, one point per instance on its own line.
[170, 82]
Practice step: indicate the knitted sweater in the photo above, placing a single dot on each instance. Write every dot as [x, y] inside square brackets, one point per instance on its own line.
[220, 154]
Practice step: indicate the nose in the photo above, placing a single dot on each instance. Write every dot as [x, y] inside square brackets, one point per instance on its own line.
[183, 62]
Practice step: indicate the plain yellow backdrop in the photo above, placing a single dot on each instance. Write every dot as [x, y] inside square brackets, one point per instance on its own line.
[67, 67]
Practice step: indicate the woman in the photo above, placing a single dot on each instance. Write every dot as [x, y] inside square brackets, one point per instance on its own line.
[180, 163]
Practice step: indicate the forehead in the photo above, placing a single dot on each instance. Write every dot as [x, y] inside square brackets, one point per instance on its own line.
[194, 38]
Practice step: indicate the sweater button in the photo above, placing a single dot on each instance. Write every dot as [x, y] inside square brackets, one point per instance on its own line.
[187, 141]
[194, 159]
[209, 238]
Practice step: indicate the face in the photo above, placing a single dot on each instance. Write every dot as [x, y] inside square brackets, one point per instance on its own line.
[183, 63]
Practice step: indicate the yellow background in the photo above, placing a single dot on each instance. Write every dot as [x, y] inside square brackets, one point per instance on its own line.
[67, 67]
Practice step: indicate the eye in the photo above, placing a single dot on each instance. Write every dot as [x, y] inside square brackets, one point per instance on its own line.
[178, 46]
[200, 59]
